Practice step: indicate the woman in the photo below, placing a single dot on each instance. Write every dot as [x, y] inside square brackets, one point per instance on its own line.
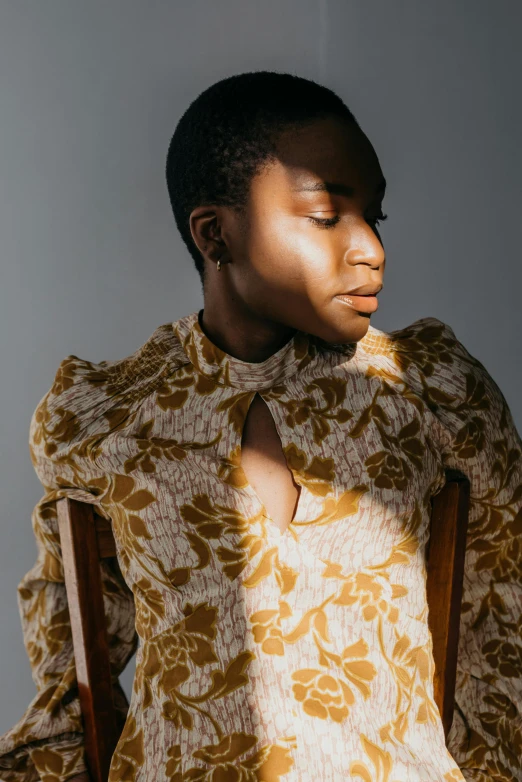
[268, 463]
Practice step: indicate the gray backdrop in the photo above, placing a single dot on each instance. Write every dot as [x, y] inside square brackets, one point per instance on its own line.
[91, 260]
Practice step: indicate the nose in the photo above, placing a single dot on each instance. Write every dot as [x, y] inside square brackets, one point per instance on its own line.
[366, 247]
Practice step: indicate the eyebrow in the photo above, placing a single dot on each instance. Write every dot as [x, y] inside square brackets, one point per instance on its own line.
[336, 188]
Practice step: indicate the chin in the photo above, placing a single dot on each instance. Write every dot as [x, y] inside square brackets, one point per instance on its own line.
[353, 331]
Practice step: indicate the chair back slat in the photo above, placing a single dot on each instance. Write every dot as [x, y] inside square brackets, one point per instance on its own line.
[446, 551]
[104, 537]
[81, 558]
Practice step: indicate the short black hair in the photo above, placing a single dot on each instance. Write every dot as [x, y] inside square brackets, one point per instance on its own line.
[228, 134]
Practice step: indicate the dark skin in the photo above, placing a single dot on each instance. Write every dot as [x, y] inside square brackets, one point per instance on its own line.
[280, 273]
[283, 272]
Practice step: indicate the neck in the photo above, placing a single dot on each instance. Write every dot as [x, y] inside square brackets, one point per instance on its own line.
[241, 333]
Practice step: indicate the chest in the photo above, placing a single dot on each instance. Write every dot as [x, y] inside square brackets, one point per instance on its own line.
[342, 466]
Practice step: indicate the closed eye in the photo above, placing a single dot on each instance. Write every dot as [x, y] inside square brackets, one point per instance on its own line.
[329, 222]
[325, 222]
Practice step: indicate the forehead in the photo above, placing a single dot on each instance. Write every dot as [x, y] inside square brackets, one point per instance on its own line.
[329, 150]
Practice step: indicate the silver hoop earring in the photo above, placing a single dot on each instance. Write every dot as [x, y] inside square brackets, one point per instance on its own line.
[219, 265]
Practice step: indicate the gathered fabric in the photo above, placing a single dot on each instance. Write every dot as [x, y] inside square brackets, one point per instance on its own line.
[264, 655]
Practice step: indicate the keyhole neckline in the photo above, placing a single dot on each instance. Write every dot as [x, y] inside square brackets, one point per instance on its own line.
[290, 529]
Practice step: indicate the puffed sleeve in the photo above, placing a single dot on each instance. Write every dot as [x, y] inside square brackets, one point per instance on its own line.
[47, 742]
[474, 432]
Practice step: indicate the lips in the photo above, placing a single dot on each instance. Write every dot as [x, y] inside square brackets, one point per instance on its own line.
[363, 290]
[359, 302]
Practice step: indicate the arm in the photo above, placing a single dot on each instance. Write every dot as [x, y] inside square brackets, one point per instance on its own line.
[47, 742]
[475, 433]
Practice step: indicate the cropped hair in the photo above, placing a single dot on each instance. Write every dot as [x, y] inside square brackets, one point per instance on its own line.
[228, 135]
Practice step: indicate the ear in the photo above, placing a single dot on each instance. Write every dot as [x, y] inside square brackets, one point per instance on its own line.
[208, 228]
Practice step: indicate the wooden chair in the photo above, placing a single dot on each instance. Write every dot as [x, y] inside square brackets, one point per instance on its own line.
[445, 554]
[86, 538]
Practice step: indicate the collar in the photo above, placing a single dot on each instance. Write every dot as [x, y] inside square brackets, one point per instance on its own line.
[293, 357]
[228, 370]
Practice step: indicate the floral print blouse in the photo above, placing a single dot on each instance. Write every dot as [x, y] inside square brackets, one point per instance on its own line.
[270, 656]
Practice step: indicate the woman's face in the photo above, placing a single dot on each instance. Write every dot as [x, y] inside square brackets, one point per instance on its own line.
[284, 263]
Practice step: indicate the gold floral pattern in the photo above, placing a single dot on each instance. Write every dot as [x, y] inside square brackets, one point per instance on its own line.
[228, 761]
[129, 755]
[269, 656]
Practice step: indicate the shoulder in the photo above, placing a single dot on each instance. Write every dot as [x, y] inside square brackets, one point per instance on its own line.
[87, 399]
[435, 363]
[428, 344]
[425, 336]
